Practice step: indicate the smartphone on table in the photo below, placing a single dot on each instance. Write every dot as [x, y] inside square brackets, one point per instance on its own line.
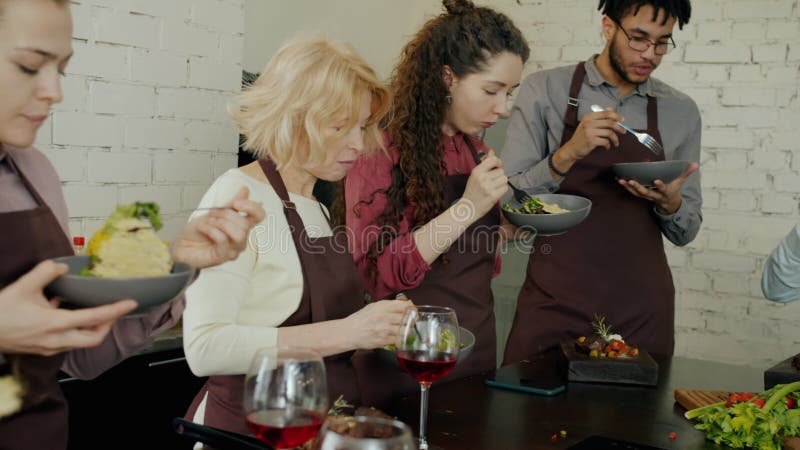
[530, 377]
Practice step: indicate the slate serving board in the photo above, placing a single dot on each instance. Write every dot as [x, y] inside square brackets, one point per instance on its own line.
[781, 373]
[579, 367]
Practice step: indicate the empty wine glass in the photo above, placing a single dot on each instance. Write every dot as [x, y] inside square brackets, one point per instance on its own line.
[428, 350]
[365, 433]
[285, 396]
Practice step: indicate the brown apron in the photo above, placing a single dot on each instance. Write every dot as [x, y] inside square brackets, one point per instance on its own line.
[29, 237]
[612, 264]
[332, 289]
[463, 283]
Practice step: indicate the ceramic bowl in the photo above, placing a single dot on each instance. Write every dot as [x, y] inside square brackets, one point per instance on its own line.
[646, 173]
[85, 292]
[551, 224]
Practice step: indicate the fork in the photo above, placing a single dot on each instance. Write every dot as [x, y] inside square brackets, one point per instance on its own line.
[645, 139]
[520, 195]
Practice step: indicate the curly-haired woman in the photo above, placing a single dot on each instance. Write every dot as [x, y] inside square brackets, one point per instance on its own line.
[425, 219]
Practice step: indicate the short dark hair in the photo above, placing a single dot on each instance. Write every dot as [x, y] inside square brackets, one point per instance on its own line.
[617, 9]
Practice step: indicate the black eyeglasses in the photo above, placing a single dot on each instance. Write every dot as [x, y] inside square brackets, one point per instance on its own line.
[641, 44]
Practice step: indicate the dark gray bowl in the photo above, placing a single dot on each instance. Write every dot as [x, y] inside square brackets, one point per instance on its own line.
[646, 173]
[84, 292]
[551, 224]
[467, 343]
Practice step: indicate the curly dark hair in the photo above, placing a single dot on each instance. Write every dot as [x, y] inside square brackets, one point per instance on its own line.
[617, 9]
[463, 38]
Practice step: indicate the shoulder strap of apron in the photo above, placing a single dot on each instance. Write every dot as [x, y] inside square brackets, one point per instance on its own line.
[25, 181]
[571, 116]
[652, 113]
[289, 208]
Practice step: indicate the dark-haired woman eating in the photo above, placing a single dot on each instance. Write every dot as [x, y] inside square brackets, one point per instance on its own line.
[425, 219]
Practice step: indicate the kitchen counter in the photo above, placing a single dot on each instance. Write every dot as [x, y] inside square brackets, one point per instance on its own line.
[467, 415]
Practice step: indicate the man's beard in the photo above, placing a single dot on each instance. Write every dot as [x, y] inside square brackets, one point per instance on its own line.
[616, 63]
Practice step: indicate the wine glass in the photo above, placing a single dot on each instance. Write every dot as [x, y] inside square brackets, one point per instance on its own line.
[365, 433]
[285, 396]
[428, 350]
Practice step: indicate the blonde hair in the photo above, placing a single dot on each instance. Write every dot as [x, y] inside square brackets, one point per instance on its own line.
[306, 86]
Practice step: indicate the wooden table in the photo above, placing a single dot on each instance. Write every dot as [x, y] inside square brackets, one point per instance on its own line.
[466, 415]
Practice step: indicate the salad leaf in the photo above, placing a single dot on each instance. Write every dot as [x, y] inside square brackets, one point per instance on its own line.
[748, 425]
[142, 210]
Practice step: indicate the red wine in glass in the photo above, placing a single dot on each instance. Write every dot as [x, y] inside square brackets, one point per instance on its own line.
[279, 431]
[425, 366]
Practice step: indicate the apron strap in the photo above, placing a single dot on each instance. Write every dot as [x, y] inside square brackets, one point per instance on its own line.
[297, 228]
[571, 116]
[25, 181]
[652, 113]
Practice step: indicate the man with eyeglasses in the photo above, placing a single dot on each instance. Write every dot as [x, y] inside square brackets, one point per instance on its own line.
[612, 264]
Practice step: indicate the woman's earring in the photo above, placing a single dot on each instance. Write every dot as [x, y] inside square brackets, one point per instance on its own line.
[449, 99]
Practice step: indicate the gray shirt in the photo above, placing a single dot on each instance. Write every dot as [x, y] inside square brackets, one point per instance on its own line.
[129, 334]
[537, 122]
[781, 278]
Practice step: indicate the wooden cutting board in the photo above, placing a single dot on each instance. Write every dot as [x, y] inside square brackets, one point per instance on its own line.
[690, 399]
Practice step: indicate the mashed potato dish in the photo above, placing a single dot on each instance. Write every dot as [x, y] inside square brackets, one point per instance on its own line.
[127, 245]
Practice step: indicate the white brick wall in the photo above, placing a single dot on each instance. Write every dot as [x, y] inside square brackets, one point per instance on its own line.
[143, 116]
[739, 60]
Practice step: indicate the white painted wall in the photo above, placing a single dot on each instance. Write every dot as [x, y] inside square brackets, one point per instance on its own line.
[377, 28]
[144, 116]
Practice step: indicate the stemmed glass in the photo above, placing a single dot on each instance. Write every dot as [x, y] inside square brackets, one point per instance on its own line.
[285, 396]
[365, 433]
[428, 350]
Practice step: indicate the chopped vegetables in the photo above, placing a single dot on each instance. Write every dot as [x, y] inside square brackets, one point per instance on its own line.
[535, 205]
[752, 420]
[605, 344]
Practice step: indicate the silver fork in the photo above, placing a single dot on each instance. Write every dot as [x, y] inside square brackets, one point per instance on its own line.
[645, 139]
[520, 195]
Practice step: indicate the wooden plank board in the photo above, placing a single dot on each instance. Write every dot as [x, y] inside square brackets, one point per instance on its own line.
[580, 367]
[691, 399]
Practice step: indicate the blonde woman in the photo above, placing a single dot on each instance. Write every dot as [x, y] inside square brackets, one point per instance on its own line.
[309, 116]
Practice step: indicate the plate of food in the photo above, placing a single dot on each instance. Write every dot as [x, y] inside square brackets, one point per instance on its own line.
[125, 259]
[647, 172]
[388, 354]
[605, 357]
[548, 214]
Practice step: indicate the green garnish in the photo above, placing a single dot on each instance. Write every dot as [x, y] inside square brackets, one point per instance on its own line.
[747, 425]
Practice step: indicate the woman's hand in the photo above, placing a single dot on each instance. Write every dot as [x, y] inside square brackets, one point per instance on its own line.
[31, 324]
[220, 235]
[486, 185]
[377, 324]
